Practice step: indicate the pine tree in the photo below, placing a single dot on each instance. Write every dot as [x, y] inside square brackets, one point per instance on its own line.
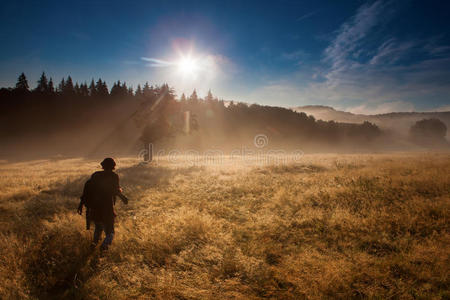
[92, 89]
[22, 83]
[42, 84]
[193, 99]
[168, 90]
[68, 89]
[124, 89]
[138, 91]
[77, 89]
[209, 98]
[61, 86]
[104, 91]
[51, 88]
[101, 88]
[116, 90]
[84, 91]
[147, 91]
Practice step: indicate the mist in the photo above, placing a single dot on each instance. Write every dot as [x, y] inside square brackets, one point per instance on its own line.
[75, 120]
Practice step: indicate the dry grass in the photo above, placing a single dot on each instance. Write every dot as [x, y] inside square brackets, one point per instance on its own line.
[329, 226]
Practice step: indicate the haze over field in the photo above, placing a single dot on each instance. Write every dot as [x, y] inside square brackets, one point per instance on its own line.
[399, 121]
[259, 149]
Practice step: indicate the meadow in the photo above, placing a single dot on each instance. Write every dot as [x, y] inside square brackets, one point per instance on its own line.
[325, 226]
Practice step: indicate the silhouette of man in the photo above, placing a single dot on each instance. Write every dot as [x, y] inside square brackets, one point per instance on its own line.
[105, 187]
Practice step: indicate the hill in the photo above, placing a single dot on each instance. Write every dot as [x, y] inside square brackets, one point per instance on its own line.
[399, 122]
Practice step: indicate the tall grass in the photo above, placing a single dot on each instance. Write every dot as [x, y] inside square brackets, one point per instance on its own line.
[347, 226]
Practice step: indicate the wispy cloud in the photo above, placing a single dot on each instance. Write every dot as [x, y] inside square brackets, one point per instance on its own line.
[392, 51]
[351, 33]
[158, 63]
[435, 48]
[297, 56]
[306, 16]
[366, 69]
[384, 79]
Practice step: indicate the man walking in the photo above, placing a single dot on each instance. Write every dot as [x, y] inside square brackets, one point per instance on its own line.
[99, 197]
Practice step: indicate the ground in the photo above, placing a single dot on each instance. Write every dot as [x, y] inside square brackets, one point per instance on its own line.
[322, 226]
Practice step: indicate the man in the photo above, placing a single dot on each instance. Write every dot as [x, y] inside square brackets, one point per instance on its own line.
[99, 197]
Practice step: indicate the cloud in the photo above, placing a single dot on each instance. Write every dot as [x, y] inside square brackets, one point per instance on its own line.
[385, 79]
[298, 56]
[352, 32]
[435, 48]
[158, 63]
[366, 69]
[306, 16]
[392, 51]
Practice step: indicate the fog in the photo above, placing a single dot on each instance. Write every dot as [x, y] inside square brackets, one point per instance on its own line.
[46, 124]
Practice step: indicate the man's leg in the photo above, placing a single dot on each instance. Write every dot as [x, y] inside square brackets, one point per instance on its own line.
[109, 231]
[97, 232]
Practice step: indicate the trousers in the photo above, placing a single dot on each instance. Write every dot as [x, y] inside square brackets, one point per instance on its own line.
[109, 234]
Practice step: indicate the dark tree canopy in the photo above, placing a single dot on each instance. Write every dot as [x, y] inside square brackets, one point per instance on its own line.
[428, 131]
[155, 114]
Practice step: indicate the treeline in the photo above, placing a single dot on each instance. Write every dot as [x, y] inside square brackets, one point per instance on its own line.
[154, 114]
[67, 89]
[48, 108]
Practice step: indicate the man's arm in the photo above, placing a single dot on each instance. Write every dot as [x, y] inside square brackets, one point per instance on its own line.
[119, 191]
[80, 206]
[122, 197]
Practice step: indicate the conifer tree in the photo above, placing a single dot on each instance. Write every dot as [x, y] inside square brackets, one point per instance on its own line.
[61, 86]
[147, 91]
[138, 91]
[68, 88]
[193, 99]
[42, 84]
[92, 89]
[51, 88]
[77, 89]
[209, 97]
[84, 91]
[22, 83]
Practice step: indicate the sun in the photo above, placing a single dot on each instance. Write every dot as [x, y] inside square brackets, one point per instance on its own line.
[188, 66]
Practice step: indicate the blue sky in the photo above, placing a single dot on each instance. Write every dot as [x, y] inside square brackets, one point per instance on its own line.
[360, 56]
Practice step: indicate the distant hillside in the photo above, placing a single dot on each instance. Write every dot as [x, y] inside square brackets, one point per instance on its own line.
[398, 121]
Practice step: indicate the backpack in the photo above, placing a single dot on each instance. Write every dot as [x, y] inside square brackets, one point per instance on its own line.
[89, 197]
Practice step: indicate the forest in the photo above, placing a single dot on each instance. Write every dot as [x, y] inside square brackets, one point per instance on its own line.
[93, 119]
[76, 118]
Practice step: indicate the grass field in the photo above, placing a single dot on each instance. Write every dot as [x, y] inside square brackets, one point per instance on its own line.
[326, 226]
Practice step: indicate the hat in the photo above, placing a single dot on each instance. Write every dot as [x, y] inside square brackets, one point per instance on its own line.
[108, 163]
